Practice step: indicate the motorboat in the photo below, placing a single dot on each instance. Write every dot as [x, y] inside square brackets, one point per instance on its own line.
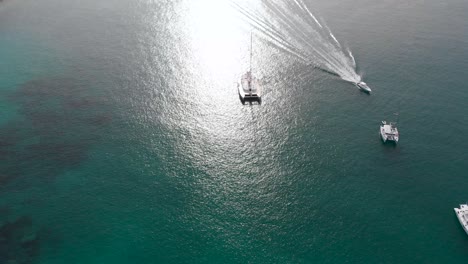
[462, 215]
[363, 86]
[389, 132]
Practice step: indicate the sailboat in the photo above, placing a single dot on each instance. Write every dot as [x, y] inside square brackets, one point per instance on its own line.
[249, 86]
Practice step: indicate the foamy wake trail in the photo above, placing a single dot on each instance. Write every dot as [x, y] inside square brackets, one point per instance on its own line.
[292, 27]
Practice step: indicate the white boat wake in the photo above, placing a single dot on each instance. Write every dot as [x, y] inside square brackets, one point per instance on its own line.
[292, 27]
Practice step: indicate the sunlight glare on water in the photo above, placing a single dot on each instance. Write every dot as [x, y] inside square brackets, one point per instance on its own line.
[220, 53]
[215, 38]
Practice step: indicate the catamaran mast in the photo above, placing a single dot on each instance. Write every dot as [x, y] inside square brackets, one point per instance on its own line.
[398, 113]
[250, 70]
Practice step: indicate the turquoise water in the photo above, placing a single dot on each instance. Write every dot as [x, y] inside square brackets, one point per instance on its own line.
[123, 139]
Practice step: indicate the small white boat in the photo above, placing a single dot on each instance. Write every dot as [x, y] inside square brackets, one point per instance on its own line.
[363, 86]
[462, 215]
[249, 86]
[389, 132]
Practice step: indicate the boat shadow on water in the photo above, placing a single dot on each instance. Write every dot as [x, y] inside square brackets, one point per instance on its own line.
[390, 146]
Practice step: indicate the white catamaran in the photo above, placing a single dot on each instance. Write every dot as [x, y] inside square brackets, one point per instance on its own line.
[462, 215]
[389, 132]
[249, 86]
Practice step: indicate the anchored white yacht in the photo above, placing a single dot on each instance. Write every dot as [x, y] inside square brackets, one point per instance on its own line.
[363, 86]
[389, 132]
[249, 86]
[462, 215]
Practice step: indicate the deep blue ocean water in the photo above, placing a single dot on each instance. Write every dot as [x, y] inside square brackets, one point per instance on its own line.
[123, 140]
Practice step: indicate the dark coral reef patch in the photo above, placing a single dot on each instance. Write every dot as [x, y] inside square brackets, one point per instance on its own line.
[19, 243]
[62, 118]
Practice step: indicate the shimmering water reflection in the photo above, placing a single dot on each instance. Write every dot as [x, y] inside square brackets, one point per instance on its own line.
[124, 139]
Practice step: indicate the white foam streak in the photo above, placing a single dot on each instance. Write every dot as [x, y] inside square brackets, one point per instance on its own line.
[352, 58]
[304, 7]
[294, 28]
[333, 36]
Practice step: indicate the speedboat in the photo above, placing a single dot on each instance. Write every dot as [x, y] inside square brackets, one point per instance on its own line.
[363, 86]
[462, 215]
[249, 88]
[389, 132]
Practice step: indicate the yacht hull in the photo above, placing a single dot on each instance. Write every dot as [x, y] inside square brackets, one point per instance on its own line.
[363, 87]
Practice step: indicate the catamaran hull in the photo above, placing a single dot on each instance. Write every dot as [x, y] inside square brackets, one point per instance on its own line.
[388, 140]
[250, 99]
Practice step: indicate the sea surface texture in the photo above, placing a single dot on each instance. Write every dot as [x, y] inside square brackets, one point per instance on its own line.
[123, 139]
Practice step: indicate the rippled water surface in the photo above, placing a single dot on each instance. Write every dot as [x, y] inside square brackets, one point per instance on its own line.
[123, 139]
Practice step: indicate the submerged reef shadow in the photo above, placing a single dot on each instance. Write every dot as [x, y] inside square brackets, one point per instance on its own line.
[19, 242]
[59, 121]
[63, 119]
